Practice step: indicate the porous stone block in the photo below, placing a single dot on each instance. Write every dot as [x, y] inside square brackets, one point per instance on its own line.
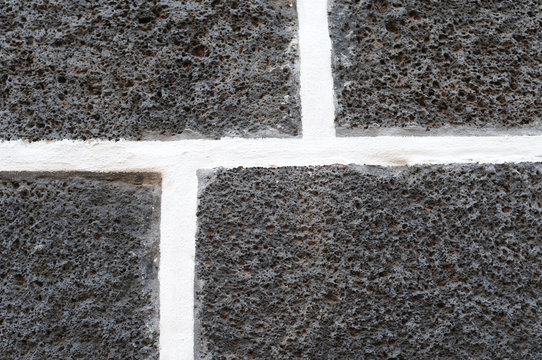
[437, 67]
[350, 262]
[148, 70]
[79, 266]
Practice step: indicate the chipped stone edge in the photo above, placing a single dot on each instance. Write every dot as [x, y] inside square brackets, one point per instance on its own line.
[205, 178]
[467, 131]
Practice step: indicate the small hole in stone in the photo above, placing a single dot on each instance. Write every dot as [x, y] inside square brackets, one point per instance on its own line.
[198, 51]
[144, 20]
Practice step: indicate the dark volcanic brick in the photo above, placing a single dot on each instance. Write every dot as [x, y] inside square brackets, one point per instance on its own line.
[143, 69]
[337, 262]
[79, 266]
[441, 65]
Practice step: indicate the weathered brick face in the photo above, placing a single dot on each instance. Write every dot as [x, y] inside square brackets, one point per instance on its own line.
[344, 262]
[148, 69]
[455, 66]
[79, 266]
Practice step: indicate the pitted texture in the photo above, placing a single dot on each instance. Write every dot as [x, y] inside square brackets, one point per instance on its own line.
[437, 64]
[147, 69]
[79, 266]
[336, 262]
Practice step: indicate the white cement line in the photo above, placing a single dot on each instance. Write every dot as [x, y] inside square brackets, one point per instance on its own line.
[376, 151]
[176, 274]
[317, 99]
[198, 154]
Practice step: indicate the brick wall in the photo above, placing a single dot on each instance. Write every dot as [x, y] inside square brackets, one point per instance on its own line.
[270, 179]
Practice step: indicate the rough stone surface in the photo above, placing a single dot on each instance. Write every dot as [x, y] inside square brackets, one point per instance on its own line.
[439, 65]
[347, 262]
[78, 266]
[143, 69]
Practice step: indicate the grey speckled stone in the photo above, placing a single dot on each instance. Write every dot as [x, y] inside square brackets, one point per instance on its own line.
[144, 69]
[79, 266]
[346, 262]
[454, 66]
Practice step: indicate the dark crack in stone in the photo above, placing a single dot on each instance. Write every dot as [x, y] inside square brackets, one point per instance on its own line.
[148, 70]
[79, 266]
[437, 67]
[348, 262]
